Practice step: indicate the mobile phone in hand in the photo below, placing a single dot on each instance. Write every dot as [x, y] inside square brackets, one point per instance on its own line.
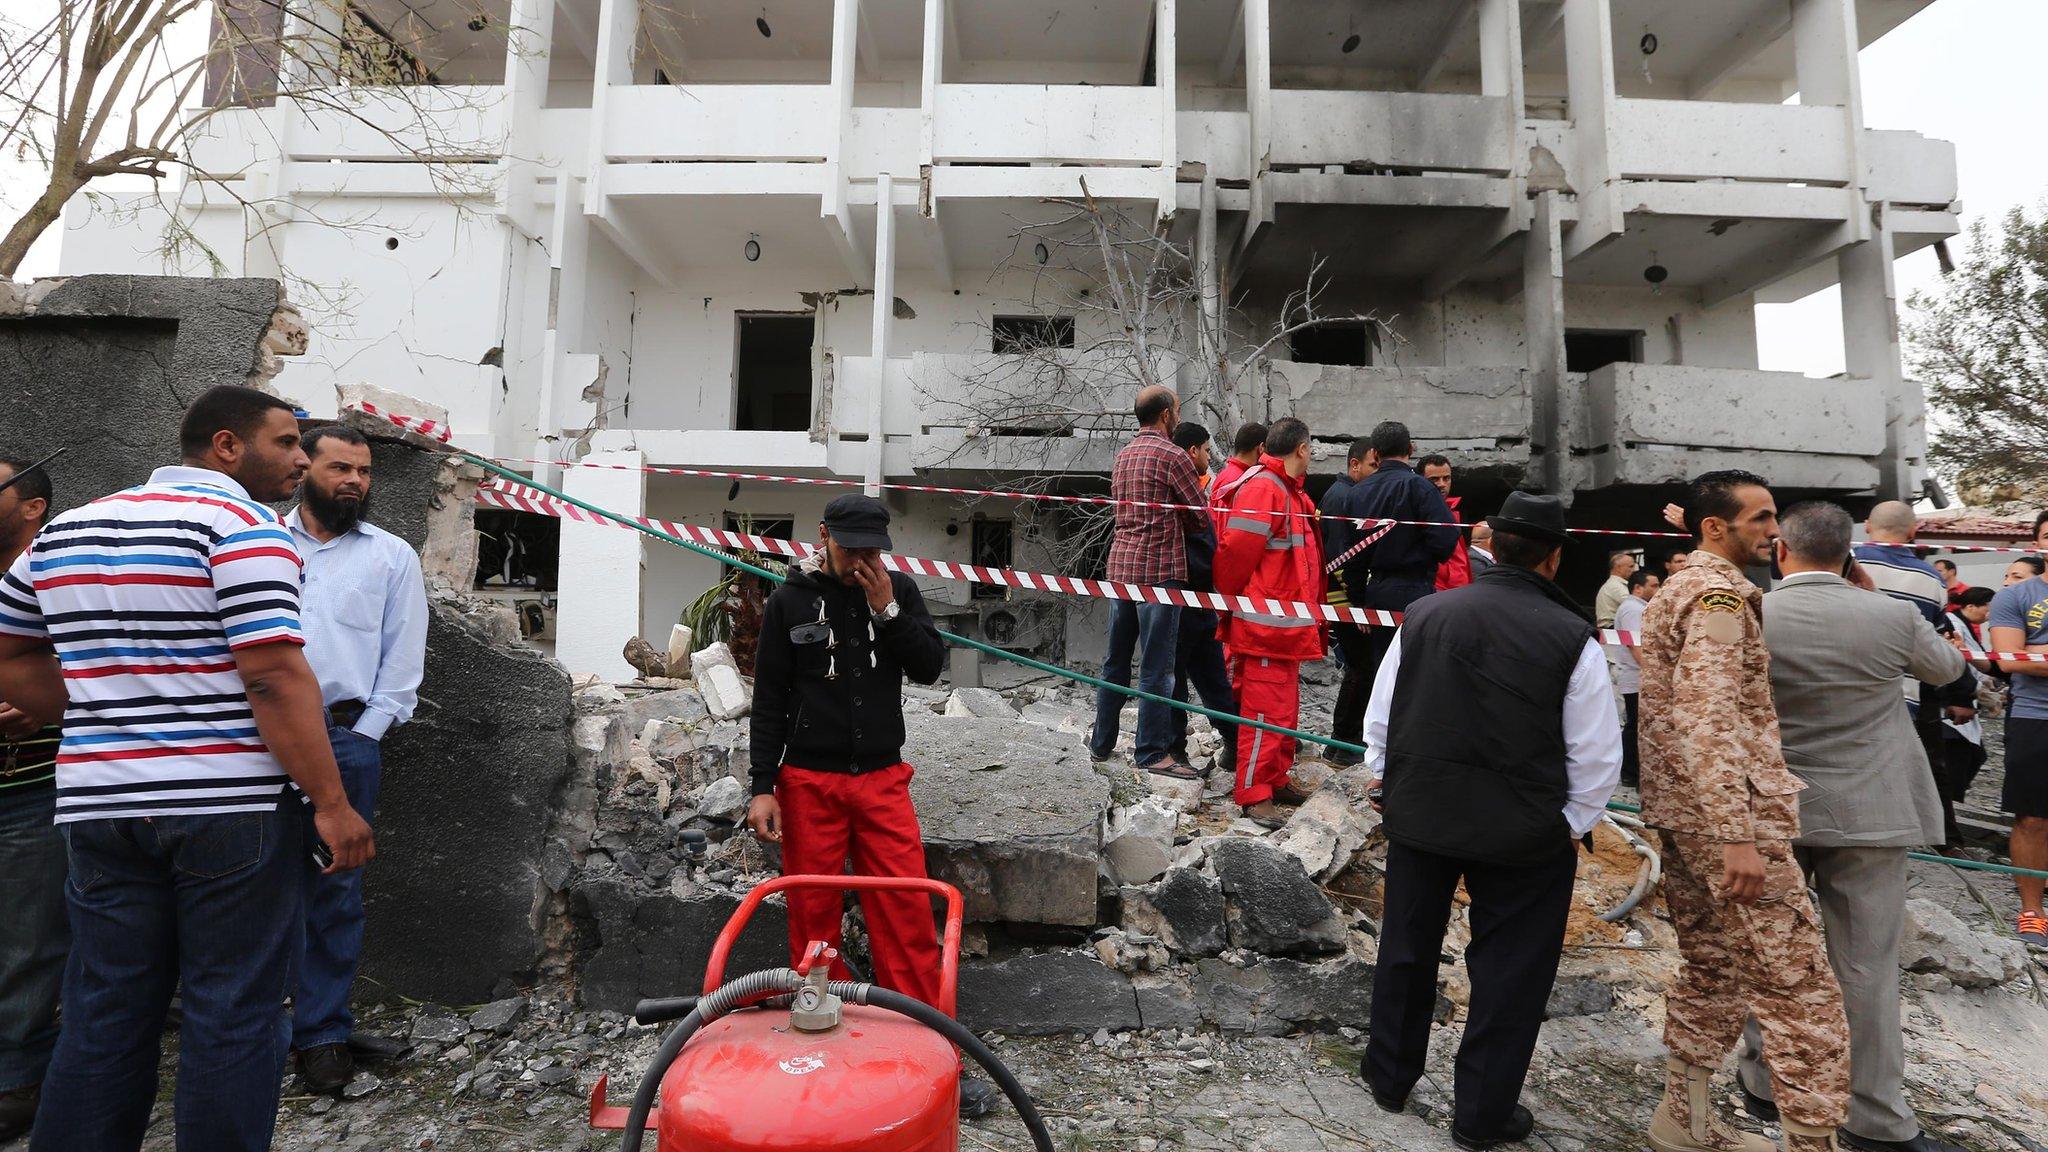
[323, 856]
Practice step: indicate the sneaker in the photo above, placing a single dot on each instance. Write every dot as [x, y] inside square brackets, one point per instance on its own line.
[2033, 929]
[326, 1068]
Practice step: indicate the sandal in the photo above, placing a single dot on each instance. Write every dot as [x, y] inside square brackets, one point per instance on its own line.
[1172, 769]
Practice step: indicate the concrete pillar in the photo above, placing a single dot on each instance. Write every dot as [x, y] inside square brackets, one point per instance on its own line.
[1824, 53]
[1258, 95]
[1164, 74]
[1543, 335]
[1589, 87]
[1870, 344]
[602, 571]
[885, 300]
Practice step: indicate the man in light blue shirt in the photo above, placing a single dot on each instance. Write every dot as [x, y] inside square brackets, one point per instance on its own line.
[365, 619]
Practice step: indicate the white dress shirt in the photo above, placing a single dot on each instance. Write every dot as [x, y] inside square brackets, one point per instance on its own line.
[364, 611]
[1592, 734]
[1628, 675]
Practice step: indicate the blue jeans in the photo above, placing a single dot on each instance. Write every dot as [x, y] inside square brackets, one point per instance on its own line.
[37, 936]
[333, 943]
[1154, 631]
[1200, 665]
[209, 902]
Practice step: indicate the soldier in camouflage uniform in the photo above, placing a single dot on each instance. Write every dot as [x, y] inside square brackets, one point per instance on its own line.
[1715, 785]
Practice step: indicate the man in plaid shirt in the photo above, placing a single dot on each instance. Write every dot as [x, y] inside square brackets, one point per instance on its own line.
[1149, 548]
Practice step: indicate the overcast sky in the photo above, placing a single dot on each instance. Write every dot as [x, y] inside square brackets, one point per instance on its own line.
[1967, 71]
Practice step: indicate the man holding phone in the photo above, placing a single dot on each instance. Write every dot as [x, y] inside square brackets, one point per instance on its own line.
[829, 779]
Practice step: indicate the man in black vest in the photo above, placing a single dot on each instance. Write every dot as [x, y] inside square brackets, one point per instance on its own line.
[1497, 805]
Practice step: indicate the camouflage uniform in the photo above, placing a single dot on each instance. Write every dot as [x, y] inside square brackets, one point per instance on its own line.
[1713, 774]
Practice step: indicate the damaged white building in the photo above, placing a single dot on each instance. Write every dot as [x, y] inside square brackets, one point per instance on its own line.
[1543, 228]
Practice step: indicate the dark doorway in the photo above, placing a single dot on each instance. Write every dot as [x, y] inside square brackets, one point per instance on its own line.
[1016, 335]
[991, 543]
[1587, 349]
[1338, 342]
[772, 373]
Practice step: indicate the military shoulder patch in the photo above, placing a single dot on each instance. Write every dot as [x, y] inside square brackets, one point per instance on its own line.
[1721, 600]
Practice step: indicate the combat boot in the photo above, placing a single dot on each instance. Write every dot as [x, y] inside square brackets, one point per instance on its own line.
[1806, 1138]
[1686, 1120]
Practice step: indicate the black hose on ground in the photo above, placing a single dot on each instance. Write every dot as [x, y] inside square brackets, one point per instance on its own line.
[964, 1038]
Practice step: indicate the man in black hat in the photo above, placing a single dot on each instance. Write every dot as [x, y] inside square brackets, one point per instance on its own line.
[1496, 805]
[829, 780]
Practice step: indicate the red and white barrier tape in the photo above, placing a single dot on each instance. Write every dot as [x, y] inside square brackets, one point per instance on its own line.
[1385, 527]
[431, 429]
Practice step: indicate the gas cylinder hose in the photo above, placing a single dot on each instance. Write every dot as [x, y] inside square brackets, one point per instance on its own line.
[757, 985]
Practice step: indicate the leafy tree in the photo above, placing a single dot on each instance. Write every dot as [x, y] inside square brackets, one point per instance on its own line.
[1981, 343]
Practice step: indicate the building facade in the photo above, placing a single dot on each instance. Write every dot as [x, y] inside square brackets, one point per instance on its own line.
[1541, 227]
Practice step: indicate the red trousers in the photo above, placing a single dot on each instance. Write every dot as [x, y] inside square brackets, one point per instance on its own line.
[829, 818]
[1268, 689]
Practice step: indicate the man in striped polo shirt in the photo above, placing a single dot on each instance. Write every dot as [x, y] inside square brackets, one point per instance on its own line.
[162, 622]
[31, 854]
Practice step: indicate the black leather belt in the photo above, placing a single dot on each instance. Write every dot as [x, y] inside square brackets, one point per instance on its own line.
[345, 713]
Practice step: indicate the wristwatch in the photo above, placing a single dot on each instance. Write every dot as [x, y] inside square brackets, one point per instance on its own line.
[889, 612]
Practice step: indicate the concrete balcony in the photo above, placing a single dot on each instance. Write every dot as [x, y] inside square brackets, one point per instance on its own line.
[354, 141]
[1419, 133]
[1662, 424]
[1480, 417]
[710, 123]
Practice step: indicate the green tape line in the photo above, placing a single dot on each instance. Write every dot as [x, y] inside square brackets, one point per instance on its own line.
[1078, 677]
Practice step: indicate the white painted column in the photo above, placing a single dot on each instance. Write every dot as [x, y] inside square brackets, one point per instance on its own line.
[885, 301]
[1870, 344]
[1543, 333]
[1258, 96]
[1589, 87]
[1164, 74]
[602, 570]
[1500, 74]
[1824, 54]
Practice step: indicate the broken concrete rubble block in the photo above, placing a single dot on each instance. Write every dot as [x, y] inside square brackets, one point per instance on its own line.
[657, 943]
[1131, 952]
[724, 799]
[982, 702]
[1582, 996]
[646, 659]
[1046, 994]
[498, 1016]
[592, 695]
[1187, 794]
[726, 695]
[1047, 715]
[1183, 908]
[438, 1028]
[1274, 997]
[1138, 845]
[1011, 816]
[1273, 905]
[349, 400]
[1327, 833]
[679, 705]
[680, 643]
[1936, 941]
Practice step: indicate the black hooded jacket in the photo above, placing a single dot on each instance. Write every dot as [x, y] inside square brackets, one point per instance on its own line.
[828, 676]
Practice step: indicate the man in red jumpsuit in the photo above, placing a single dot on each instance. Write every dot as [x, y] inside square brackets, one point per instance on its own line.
[829, 779]
[1270, 549]
[1455, 572]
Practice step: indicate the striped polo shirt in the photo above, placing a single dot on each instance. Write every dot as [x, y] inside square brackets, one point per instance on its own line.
[145, 595]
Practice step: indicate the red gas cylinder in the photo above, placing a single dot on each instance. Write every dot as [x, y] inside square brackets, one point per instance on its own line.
[831, 1077]
[878, 1082]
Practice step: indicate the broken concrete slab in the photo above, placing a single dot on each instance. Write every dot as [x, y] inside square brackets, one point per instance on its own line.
[1274, 907]
[1138, 845]
[726, 694]
[1012, 817]
[1937, 941]
[681, 642]
[1046, 993]
[1328, 831]
[1184, 908]
[723, 799]
[986, 703]
[657, 943]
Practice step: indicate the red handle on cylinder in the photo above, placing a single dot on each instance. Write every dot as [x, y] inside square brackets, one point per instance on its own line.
[949, 948]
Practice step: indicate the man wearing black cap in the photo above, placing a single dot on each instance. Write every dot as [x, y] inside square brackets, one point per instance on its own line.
[1496, 805]
[829, 780]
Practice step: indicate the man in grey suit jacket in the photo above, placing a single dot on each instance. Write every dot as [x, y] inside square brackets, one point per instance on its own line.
[1838, 654]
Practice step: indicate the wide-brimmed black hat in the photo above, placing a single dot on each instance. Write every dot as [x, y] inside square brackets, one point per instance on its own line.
[1536, 517]
[858, 521]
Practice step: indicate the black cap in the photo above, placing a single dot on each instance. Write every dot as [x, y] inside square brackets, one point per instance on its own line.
[857, 522]
[1536, 517]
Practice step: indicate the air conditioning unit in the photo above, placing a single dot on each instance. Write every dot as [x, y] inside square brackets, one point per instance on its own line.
[1022, 625]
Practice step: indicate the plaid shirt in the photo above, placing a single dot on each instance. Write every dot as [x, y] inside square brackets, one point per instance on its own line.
[1150, 545]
